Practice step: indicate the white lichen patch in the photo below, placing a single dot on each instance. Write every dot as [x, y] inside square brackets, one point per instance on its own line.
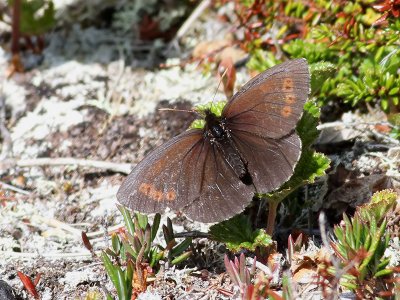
[50, 115]
[73, 278]
[14, 95]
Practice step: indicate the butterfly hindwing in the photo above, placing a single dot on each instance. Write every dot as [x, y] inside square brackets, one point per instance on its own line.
[270, 161]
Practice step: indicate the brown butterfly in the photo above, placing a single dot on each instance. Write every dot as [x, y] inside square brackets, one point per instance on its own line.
[211, 174]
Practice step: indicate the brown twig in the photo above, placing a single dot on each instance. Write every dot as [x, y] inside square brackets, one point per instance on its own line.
[272, 207]
[16, 12]
[197, 12]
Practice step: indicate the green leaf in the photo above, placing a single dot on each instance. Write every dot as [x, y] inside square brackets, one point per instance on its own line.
[117, 277]
[320, 72]
[155, 226]
[237, 233]
[121, 287]
[182, 246]
[307, 126]
[385, 104]
[262, 60]
[108, 265]
[383, 272]
[142, 220]
[387, 197]
[184, 256]
[129, 277]
[115, 243]
[127, 219]
[36, 16]
[155, 256]
[127, 248]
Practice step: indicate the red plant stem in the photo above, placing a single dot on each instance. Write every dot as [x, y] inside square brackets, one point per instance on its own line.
[15, 27]
[272, 207]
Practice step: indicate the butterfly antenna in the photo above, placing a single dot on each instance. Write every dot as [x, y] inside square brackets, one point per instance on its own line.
[175, 109]
[219, 83]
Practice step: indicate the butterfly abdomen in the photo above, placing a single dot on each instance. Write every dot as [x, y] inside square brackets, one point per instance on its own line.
[233, 158]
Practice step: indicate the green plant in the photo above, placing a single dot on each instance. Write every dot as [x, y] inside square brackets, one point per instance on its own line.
[237, 233]
[133, 255]
[251, 287]
[375, 82]
[174, 252]
[361, 242]
[358, 38]
[294, 246]
[36, 16]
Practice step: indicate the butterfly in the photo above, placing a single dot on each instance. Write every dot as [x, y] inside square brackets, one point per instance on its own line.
[211, 174]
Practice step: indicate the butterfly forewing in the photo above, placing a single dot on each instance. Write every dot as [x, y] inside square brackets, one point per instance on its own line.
[271, 103]
[186, 174]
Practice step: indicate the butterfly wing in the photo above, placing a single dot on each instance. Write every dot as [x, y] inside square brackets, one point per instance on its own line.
[270, 161]
[186, 174]
[262, 118]
[271, 104]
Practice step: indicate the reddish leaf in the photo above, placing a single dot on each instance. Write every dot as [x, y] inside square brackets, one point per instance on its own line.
[385, 294]
[227, 71]
[28, 284]
[384, 6]
[381, 20]
[37, 279]
[274, 295]
[250, 292]
[86, 242]
[395, 12]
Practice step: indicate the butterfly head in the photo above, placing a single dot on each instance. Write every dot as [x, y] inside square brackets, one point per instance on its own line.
[207, 113]
[213, 124]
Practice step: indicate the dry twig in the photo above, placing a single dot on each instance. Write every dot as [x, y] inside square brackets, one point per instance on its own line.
[62, 161]
[6, 186]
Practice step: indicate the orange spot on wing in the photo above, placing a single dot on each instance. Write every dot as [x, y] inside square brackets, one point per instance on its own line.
[290, 99]
[286, 111]
[150, 191]
[287, 84]
[171, 195]
[156, 195]
[145, 188]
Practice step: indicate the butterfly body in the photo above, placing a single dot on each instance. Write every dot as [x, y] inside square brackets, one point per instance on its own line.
[219, 137]
[211, 174]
